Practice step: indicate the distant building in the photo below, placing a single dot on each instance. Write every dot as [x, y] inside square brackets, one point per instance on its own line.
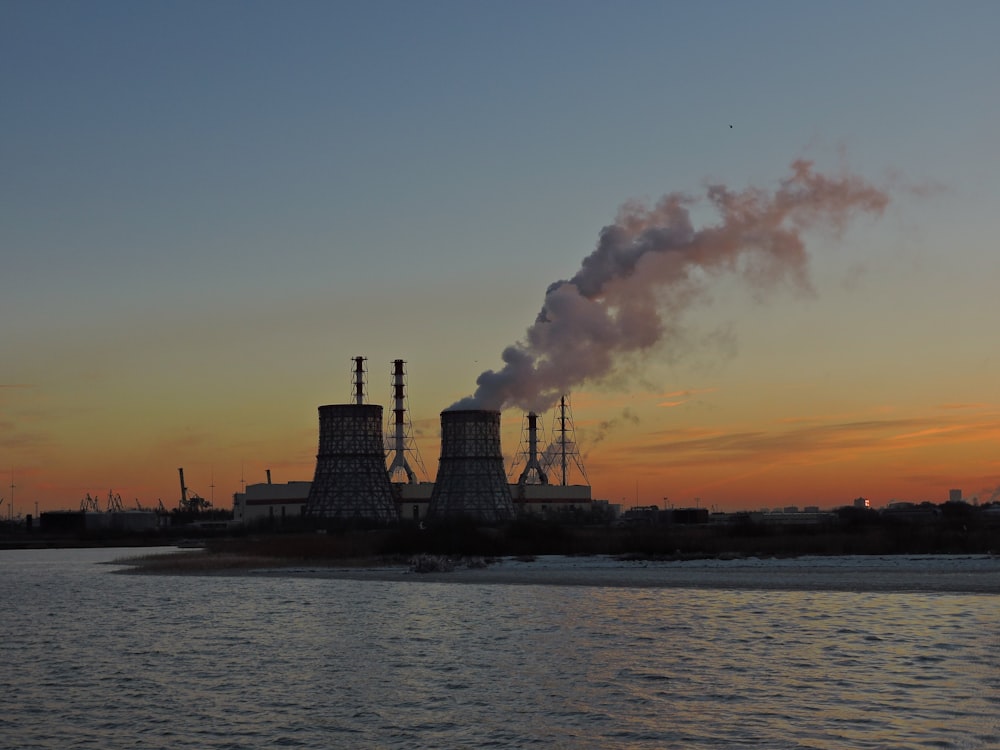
[791, 515]
[412, 499]
[275, 503]
[689, 515]
[267, 503]
[130, 521]
[550, 499]
[910, 512]
[543, 500]
[954, 496]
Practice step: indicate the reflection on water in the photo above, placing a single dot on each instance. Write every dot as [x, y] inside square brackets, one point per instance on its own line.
[98, 660]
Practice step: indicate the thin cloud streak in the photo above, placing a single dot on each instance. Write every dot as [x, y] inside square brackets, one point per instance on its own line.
[677, 398]
[684, 448]
[687, 392]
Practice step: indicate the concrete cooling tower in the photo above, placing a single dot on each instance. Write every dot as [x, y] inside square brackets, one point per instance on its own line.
[471, 481]
[351, 482]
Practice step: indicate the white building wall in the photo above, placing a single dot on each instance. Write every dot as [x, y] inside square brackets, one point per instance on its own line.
[267, 502]
[543, 499]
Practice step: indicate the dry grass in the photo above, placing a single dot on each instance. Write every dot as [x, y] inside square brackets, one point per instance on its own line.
[207, 562]
[198, 562]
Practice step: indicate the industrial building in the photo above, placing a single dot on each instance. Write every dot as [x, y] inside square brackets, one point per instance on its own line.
[353, 482]
[271, 503]
[274, 504]
[75, 521]
[535, 493]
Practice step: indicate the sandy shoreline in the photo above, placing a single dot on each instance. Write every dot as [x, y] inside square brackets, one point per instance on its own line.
[977, 574]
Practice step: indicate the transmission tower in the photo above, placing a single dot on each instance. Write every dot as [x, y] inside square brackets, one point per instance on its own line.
[562, 456]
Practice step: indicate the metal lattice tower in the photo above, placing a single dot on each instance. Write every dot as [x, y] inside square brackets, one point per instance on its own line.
[351, 482]
[527, 452]
[470, 481]
[563, 453]
[399, 437]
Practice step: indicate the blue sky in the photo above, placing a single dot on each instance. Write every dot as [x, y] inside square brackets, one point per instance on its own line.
[207, 208]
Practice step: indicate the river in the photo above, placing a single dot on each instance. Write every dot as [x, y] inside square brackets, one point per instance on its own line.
[90, 659]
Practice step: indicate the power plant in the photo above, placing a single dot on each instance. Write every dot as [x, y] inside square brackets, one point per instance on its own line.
[352, 481]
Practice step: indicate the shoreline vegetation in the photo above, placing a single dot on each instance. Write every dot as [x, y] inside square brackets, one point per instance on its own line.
[959, 574]
[524, 552]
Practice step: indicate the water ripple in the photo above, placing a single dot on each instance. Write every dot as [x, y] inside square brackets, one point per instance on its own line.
[100, 661]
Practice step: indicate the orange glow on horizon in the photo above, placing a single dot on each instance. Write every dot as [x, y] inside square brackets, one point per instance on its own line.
[824, 459]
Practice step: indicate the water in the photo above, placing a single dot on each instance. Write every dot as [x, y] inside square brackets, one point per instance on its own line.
[89, 659]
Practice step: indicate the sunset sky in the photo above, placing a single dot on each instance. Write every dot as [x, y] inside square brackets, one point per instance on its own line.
[207, 209]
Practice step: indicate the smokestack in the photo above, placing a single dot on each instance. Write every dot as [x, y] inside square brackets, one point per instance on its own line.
[268, 475]
[470, 481]
[532, 465]
[649, 267]
[359, 380]
[399, 463]
[351, 482]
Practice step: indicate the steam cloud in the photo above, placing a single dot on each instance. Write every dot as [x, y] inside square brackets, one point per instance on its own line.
[647, 268]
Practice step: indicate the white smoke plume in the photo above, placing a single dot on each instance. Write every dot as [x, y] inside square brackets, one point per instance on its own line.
[646, 269]
[610, 425]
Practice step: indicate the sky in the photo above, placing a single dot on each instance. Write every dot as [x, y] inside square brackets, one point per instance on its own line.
[208, 209]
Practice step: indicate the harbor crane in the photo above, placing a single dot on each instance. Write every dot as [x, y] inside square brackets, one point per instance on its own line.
[90, 504]
[115, 503]
[195, 503]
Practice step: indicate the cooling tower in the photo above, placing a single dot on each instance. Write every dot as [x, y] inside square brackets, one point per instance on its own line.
[351, 482]
[470, 479]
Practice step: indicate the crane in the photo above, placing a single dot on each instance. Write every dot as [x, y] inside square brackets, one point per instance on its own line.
[115, 503]
[90, 504]
[195, 503]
